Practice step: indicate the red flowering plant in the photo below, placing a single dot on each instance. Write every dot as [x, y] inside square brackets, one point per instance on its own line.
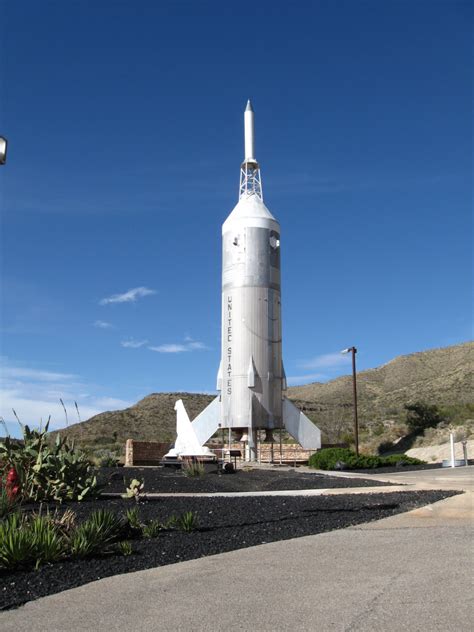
[9, 491]
[12, 484]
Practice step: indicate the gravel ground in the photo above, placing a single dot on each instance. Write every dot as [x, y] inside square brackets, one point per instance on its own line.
[224, 524]
[170, 479]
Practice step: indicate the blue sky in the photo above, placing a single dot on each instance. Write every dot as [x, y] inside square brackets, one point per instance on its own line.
[125, 128]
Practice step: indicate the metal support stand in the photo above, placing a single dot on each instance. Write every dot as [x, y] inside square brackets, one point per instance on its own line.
[281, 447]
[250, 180]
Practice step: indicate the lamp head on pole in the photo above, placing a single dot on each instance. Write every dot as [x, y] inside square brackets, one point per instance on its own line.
[3, 150]
[349, 349]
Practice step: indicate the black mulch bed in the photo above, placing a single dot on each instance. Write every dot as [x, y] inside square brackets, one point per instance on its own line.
[225, 524]
[172, 480]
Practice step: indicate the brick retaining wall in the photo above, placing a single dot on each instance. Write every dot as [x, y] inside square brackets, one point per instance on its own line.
[144, 452]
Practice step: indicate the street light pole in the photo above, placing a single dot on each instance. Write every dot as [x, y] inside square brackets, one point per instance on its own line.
[353, 350]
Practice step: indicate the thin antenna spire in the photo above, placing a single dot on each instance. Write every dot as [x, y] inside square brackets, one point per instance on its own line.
[250, 179]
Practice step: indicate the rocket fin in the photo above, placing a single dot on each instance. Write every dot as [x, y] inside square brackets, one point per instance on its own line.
[284, 385]
[306, 433]
[187, 442]
[219, 377]
[207, 422]
[251, 374]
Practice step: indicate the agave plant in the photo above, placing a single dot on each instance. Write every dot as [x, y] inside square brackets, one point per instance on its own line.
[16, 544]
[152, 529]
[125, 548]
[48, 542]
[27, 541]
[188, 521]
[133, 518]
[94, 536]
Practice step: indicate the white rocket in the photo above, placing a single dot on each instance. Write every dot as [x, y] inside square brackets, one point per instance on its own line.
[251, 378]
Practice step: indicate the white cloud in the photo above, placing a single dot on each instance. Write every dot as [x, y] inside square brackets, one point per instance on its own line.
[295, 380]
[194, 345]
[101, 324]
[133, 344]
[34, 394]
[130, 296]
[34, 374]
[171, 348]
[190, 345]
[326, 361]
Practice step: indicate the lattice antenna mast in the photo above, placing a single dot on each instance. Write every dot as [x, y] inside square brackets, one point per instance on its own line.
[250, 178]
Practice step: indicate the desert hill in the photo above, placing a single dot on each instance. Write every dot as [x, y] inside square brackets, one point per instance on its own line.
[153, 418]
[440, 376]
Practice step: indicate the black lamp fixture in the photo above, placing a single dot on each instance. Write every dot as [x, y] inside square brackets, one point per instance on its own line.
[3, 150]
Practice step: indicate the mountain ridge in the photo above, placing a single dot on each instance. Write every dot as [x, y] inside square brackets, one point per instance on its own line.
[441, 376]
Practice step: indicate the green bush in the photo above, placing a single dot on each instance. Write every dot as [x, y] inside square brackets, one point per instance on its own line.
[48, 472]
[30, 541]
[385, 446]
[421, 416]
[94, 536]
[395, 459]
[106, 458]
[329, 458]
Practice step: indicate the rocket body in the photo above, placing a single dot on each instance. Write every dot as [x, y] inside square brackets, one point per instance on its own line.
[251, 366]
[251, 379]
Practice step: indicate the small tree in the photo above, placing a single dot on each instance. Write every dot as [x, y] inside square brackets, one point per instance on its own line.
[421, 416]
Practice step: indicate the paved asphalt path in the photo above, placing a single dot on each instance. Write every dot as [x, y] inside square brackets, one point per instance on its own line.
[411, 572]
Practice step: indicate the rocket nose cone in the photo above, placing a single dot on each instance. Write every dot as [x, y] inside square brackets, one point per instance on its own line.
[249, 107]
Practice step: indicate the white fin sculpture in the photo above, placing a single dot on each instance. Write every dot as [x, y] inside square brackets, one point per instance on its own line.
[187, 443]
